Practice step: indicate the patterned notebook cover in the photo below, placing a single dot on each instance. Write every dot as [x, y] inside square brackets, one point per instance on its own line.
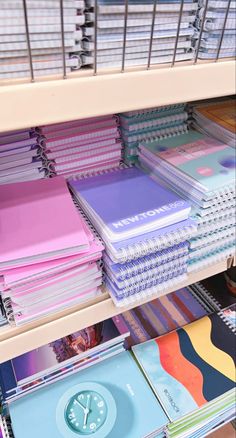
[191, 366]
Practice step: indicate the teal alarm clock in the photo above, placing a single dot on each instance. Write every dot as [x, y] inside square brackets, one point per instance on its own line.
[86, 410]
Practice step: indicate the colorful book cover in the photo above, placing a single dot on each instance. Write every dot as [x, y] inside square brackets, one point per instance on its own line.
[222, 113]
[151, 204]
[162, 315]
[202, 158]
[190, 366]
[62, 353]
[92, 403]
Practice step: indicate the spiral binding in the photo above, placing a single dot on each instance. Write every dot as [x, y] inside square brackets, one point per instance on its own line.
[150, 246]
[157, 291]
[227, 321]
[212, 235]
[205, 294]
[87, 221]
[211, 260]
[151, 261]
[151, 274]
[158, 134]
[8, 310]
[150, 123]
[140, 113]
[213, 247]
[215, 217]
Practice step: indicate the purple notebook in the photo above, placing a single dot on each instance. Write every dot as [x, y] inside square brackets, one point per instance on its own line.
[127, 200]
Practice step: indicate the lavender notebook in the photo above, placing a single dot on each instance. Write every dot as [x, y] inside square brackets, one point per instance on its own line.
[127, 202]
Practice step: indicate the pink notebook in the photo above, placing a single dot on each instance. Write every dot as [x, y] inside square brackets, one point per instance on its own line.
[38, 222]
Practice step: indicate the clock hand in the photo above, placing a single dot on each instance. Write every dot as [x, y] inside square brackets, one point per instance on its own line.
[87, 410]
[82, 407]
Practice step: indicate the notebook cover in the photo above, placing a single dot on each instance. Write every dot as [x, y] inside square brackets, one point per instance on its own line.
[110, 195]
[191, 366]
[222, 113]
[39, 218]
[204, 159]
[162, 315]
[120, 376]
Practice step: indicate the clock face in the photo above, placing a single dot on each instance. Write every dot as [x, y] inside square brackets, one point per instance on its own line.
[86, 409]
[86, 412]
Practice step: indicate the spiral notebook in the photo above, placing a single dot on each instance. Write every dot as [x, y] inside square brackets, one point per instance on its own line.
[125, 219]
[194, 367]
[5, 431]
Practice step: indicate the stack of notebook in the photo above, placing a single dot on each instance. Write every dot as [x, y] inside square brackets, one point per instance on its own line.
[49, 258]
[217, 119]
[150, 125]
[192, 372]
[81, 146]
[54, 361]
[202, 170]
[20, 157]
[219, 24]
[110, 32]
[45, 37]
[144, 227]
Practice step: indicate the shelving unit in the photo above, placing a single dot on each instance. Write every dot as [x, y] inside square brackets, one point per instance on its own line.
[18, 340]
[81, 95]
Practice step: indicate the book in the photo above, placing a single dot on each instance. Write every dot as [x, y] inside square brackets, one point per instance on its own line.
[191, 367]
[28, 212]
[49, 362]
[199, 161]
[111, 389]
[125, 219]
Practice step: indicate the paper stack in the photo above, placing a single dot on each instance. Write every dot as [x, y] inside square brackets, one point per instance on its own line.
[110, 33]
[49, 257]
[217, 16]
[192, 372]
[150, 125]
[82, 146]
[20, 157]
[45, 37]
[49, 363]
[217, 119]
[202, 170]
[144, 228]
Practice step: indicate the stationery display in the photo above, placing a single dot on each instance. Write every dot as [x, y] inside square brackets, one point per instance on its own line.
[82, 146]
[54, 361]
[45, 37]
[167, 313]
[142, 238]
[202, 170]
[192, 372]
[5, 431]
[110, 33]
[217, 119]
[92, 404]
[49, 258]
[150, 125]
[219, 23]
[20, 158]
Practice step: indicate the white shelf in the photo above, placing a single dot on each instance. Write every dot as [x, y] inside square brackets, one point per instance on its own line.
[25, 105]
[15, 341]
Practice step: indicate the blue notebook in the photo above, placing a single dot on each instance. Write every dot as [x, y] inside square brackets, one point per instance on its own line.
[109, 400]
[125, 203]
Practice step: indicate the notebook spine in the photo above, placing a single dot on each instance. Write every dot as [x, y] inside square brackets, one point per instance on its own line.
[205, 296]
[88, 223]
[154, 135]
[211, 236]
[151, 262]
[150, 246]
[141, 113]
[210, 260]
[213, 247]
[216, 216]
[96, 173]
[151, 123]
[227, 321]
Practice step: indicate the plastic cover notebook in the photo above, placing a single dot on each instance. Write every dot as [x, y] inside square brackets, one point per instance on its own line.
[38, 222]
[95, 401]
[198, 161]
[192, 366]
[127, 202]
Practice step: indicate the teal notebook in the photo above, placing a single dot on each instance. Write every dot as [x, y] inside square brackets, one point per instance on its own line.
[111, 399]
[200, 161]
